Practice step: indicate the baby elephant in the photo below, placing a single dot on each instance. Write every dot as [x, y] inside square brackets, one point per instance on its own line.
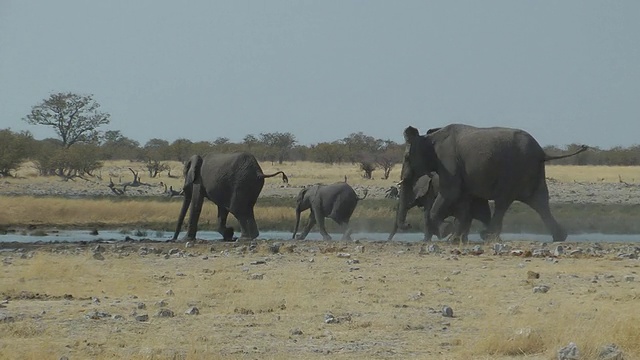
[336, 201]
[424, 194]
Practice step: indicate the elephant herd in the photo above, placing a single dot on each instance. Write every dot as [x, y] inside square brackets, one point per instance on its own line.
[450, 171]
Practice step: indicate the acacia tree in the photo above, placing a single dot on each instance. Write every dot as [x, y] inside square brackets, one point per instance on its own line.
[75, 118]
[279, 143]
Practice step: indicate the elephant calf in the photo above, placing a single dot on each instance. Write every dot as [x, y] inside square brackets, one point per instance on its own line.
[336, 201]
[423, 195]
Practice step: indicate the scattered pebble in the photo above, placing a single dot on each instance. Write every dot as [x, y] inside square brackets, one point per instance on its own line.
[192, 311]
[447, 311]
[569, 352]
[541, 289]
[165, 313]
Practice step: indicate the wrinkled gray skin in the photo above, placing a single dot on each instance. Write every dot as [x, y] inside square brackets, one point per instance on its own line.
[233, 182]
[424, 193]
[499, 164]
[336, 201]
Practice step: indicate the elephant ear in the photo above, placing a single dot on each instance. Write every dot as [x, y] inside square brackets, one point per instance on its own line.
[192, 169]
[422, 186]
[410, 133]
[433, 130]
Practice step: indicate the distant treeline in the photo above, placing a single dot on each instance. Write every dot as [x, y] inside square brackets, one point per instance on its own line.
[52, 157]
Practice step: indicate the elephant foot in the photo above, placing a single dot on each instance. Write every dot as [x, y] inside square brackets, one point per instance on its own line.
[227, 234]
[560, 236]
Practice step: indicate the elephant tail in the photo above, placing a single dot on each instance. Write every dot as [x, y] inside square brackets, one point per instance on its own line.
[549, 157]
[285, 179]
[366, 192]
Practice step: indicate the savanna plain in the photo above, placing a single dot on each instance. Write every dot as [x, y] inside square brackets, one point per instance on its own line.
[283, 299]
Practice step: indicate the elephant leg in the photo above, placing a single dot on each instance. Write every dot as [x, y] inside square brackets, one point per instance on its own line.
[197, 200]
[226, 232]
[308, 227]
[248, 225]
[439, 211]
[346, 230]
[481, 211]
[323, 230]
[428, 231]
[540, 203]
[495, 226]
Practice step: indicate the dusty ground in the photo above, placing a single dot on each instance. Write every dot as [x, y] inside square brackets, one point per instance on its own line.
[306, 299]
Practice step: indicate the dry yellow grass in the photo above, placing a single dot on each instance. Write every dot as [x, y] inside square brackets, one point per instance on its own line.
[569, 173]
[388, 304]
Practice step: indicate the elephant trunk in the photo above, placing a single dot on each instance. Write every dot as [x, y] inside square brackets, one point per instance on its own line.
[183, 211]
[295, 230]
[404, 204]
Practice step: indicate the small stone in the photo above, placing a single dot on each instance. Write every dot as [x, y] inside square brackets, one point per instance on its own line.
[359, 248]
[141, 306]
[477, 250]
[330, 319]
[541, 289]
[192, 311]
[296, 331]
[343, 255]
[533, 275]
[569, 352]
[95, 300]
[456, 272]
[96, 315]
[188, 244]
[559, 250]
[117, 317]
[98, 256]
[275, 248]
[165, 313]
[416, 296]
[629, 278]
[433, 249]
[174, 251]
[142, 318]
[169, 292]
[256, 276]
[447, 311]
[610, 352]
[541, 253]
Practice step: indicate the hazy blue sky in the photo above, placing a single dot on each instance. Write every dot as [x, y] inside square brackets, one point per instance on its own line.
[566, 71]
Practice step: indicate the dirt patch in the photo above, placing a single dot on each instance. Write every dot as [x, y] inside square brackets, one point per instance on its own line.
[310, 299]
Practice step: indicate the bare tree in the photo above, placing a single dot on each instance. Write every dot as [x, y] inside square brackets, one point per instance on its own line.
[75, 118]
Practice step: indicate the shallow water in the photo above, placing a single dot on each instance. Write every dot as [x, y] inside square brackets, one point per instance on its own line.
[152, 235]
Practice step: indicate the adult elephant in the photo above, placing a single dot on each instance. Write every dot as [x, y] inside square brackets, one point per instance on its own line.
[336, 201]
[423, 194]
[233, 182]
[496, 163]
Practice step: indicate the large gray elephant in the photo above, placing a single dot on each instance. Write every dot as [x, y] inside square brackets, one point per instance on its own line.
[336, 201]
[233, 182]
[499, 164]
[423, 194]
